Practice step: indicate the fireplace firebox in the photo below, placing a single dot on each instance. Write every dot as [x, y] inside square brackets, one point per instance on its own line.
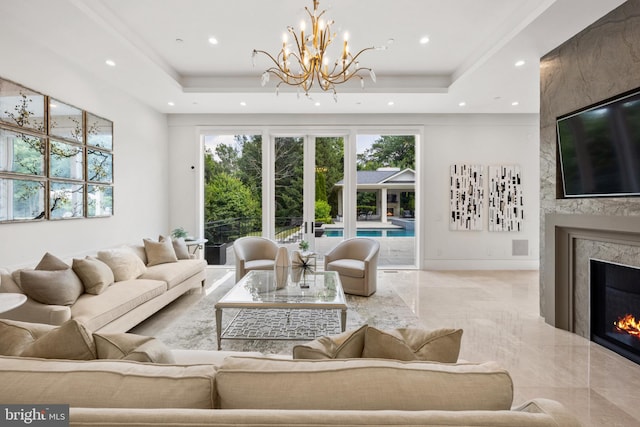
[615, 307]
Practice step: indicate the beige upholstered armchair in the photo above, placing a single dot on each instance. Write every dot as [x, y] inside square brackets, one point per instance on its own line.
[254, 253]
[356, 261]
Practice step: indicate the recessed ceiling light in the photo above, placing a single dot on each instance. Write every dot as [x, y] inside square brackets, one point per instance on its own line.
[213, 40]
[110, 62]
[515, 103]
[424, 40]
[170, 104]
[52, 105]
[243, 104]
[519, 63]
[462, 103]
[390, 103]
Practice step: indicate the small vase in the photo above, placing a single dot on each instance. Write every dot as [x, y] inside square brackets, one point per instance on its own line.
[281, 267]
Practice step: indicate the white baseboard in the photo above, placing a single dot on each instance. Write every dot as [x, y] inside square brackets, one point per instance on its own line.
[488, 264]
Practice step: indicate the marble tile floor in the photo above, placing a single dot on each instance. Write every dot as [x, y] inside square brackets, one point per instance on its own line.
[498, 311]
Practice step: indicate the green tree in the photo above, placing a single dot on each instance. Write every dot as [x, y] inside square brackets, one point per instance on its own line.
[322, 211]
[289, 177]
[250, 163]
[227, 197]
[330, 160]
[321, 186]
[228, 156]
[389, 151]
[209, 166]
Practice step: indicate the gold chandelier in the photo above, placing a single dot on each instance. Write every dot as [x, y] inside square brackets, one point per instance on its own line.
[310, 63]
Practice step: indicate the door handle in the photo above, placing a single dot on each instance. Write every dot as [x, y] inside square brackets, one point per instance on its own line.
[312, 224]
[305, 227]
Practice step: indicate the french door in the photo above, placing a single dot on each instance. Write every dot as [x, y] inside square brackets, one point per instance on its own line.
[305, 201]
[319, 188]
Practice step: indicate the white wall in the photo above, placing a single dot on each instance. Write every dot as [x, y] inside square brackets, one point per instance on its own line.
[446, 139]
[486, 140]
[140, 160]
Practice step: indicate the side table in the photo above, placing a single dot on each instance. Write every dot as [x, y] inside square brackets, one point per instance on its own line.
[194, 245]
[9, 301]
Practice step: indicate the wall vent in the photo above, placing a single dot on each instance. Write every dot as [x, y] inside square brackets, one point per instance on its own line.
[519, 247]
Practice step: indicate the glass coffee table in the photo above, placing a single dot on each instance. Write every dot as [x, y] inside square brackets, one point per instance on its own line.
[259, 290]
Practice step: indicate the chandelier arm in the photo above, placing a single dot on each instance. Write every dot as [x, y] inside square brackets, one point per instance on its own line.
[295, 38]
[279, 72]
[288, 78]
[268, 54]
[333, 70]
[301, 77]
[345, 78]
[353, 59]
[332, 76]
[327, 38]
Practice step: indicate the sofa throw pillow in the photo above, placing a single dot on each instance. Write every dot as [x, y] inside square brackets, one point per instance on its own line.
[441, 345]
[132, 347]
[15, 275]
[15, 336]
[64, 282]
[51, 262]
[139, 250]
[55, 287]
[71, 340]
[123, 262]
[347, 345]
[179, 246]
[161, 252]
[95, 275]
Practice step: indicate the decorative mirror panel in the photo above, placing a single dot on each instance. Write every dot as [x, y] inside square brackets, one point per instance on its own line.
[99, 200]
[56, 160]
[21, 200]
[99, 166]
[21, 107]
[66, 200]
[65, 160]
[65, 121]
[99, 132]
[21, 153]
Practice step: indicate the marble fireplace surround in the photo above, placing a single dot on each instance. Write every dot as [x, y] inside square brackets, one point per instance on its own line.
[570, 242]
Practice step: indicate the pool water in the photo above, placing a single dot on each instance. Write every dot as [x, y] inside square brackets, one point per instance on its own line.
[373, 232]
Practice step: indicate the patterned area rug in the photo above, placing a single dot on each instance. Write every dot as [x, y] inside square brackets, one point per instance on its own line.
[196, 328]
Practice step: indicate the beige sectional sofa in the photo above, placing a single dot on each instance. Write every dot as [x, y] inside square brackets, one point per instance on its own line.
[207, 388]
[122, 304]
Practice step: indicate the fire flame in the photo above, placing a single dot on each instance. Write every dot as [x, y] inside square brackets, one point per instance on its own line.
[628, 324]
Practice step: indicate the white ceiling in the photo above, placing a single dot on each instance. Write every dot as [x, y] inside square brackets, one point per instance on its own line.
[473, 47]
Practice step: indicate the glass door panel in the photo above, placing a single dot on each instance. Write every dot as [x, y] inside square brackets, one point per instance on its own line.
[289, 191]
[386, 208]
[232, 193]
[329, 178]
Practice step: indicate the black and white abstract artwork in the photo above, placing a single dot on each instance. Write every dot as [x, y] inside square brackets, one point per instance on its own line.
[466, 197]
[506, 205]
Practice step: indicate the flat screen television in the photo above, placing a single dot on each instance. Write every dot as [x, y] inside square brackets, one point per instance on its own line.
[599, 148]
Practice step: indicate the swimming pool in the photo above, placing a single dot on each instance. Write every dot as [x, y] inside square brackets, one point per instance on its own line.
[372, 232]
